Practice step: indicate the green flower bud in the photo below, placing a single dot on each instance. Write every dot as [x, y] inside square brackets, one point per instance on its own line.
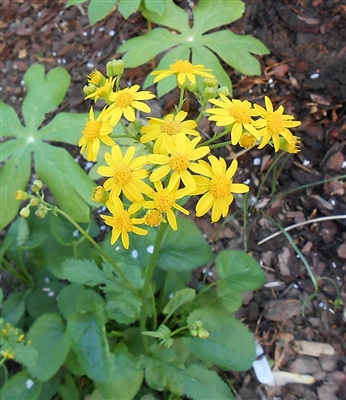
[34, 202]
[97, 78]
[209, 82]
[194, 333]
[115, 68]
[223, 90]
[25, 212]
[209, 93]
[192, 87]
[89, 89]
[199, 324]
[41, 213]
[21, 195]
[203, 334]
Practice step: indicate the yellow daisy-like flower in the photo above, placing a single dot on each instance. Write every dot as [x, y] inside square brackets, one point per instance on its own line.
[169, 126]
[153, 218]
[97, 78]
[164, 201]
[125, 174]
[184, 71]
[247, 140]
[94, 131]
[103, 91]
[217, 186]
[274, 124]
[182, 152]
[236, 113]
[290, 147]
[124, 103]
[122, 223]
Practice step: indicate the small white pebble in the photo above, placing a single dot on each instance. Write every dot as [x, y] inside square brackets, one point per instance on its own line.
[89, 164]
[29, 384]
[314, 75]
[85, 33]
[344, 164]
[134, 254]
[332, 202]
[39, 14]
[210, 273]
[296, 286]
[150, 249]
[90, 65]
[117, 248]
[51, 294]
[306, 162]
[257, 161]
[247, 181]
[111, 33]
[101, 29]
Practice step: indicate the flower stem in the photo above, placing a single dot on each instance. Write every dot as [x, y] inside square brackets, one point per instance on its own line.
[213, 139]
[147, 282]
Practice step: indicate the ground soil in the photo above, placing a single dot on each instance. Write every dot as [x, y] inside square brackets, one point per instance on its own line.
[305, 72]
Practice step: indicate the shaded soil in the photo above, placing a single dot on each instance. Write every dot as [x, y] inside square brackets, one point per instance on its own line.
[305, 72]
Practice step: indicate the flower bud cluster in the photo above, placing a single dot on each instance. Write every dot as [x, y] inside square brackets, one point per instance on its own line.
[197, 330]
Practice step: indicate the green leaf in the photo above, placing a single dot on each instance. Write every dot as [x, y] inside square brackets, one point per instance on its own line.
[238, 51]
[140, 50]
[126, 8]
[14, 175]
[174, 281]
[74, 2]
[43, 298]
[173, 17]
[89, 300]
[156, 6]
[54, 85]
[200, 383]
[239, 270]
[98, 10]
[10, 123]
[60, 172]
[123, 307]
[21, 386]
[124, 378]
[68, 390]
[63, 231]
[208, 15]
[230, 345]
[49, 338]
[184, 249]
[181, 297]
[66, 299]
[14, 307]
[89, 342]
[230, 298]
[64, 127]
[200, 54]
[23, 231]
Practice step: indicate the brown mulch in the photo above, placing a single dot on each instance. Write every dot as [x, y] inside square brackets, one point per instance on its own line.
[306, 72]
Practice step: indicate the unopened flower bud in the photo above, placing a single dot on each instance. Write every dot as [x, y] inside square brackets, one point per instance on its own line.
[41, 213]
[89, 89]
[192, 87]
[34, 201]
[199, 324]
[97, 78]
[223, 90]
[209, 93]
[210, 82]
[203, 333]
[21, 195]
[36, 186]
[115, 68]
[25, 212]
[99, 195]
[194, 333]
[293, 146]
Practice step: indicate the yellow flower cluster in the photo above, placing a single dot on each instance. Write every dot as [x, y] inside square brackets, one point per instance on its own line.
[10, 336]
[145, 190]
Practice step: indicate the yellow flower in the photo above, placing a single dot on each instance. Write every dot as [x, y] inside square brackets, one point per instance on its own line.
[96, 78]
[184, 71]
[99, 195]
[124, 103]
[292, 146]
[182, 151]
[247, 140]
[236, 113]
[124, 174]
[217, 186]
[273, 124]
[169, 126]
[103, 91]
[153, 218]
[122, 223]
[164, 201]
[94, 131]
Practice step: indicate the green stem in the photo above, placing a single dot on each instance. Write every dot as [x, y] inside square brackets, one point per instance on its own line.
[214, 138]
[183, 328]
[11, 270]
[98, 247]
[245, 202]
[23, 268]
[147, 282]
[181, 99]
[266, 175]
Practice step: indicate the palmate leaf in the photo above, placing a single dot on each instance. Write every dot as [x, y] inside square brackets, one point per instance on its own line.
[54, 165]
[234, 49]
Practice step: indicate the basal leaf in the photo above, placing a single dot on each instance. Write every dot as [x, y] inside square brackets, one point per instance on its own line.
[230, 345]
[184, 249]
[202, 55]
[173, 17]
[21, 386]
[201, 383]
[208, 15]
[14, 175]
[66, 299]
[64, 127]
[14, 307]
[140, 50]
[181, 297]
[74, 2]
[156, 6]
[238, 51]
[10, 124]
[98, 10]
[49, 338]
[89, 342]
[123, 307]
[126, 8]
[60, 172]
[124, 377]
[44, 93]
[68, 390]
[89, 300]
[239, 270]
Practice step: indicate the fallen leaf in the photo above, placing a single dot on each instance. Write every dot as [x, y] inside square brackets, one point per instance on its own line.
[282, 310]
